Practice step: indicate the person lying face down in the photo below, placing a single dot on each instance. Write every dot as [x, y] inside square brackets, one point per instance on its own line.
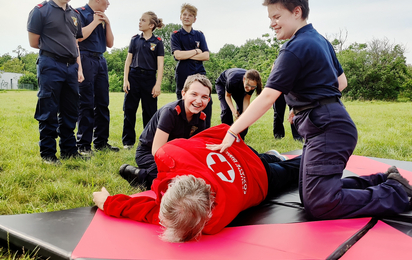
[201, 191]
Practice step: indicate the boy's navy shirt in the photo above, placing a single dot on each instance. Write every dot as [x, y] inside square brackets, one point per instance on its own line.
[171, 118]
[145, 52]
[58, 28]
[96, 42]
[184, 41]
[306, 69]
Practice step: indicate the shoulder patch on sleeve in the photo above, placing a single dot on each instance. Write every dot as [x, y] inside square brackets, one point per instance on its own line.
[202, 116]
[175, 31]
[76, 11]
[83, 8]
[178, 109]
[39, 5]
[159, 38]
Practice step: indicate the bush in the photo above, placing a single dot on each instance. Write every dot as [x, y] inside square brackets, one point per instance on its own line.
[29, 78]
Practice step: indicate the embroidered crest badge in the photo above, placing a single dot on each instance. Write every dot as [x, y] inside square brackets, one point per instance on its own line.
[193, 130]
[152, 46]
[74, 20]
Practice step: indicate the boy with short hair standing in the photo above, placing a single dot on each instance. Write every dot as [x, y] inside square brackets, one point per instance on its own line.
[94, 115]
[54, 27]
[189, 47]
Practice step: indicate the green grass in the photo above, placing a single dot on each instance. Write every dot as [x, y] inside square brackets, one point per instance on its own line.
[30, 186]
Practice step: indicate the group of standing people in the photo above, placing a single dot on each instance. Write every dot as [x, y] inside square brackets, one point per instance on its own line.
[73, 77]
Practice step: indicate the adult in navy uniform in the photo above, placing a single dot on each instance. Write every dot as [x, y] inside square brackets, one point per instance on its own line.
[179, 119]
[189, 47]
[94, 114]
[145, 57]
[238, 84]
[53, 27]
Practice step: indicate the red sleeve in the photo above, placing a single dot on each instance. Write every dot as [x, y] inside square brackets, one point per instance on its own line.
[142, 208]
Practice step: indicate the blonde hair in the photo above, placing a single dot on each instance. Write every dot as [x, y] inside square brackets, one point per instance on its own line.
[192, 9]
[157, 22]
[202, 79]
[185, 209]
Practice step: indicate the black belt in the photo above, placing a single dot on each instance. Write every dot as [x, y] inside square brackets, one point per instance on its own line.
[58, 58]
[143, 71]
[317, 103]
[93, 54]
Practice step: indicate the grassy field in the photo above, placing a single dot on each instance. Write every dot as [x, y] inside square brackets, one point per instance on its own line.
[30, 186]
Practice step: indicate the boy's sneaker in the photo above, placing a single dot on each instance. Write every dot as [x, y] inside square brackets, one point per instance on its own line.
[128, 146]
[52, 160]
[107, 147]
[130, 174]
[277, 154]
[74, 156]
[86, 152]
[405, 183]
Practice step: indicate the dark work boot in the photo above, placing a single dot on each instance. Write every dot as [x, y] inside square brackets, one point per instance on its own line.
[130, 174]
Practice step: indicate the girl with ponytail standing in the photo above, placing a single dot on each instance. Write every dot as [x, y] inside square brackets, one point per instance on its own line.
[144, 59]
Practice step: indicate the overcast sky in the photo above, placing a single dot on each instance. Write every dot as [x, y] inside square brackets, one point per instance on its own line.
[234, 22]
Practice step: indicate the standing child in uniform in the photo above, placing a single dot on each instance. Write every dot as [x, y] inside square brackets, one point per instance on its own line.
[53, 28]
[310, 75]
[145, 57]
[179, 119]
[94, 116]
[239, 84]
[189, 47]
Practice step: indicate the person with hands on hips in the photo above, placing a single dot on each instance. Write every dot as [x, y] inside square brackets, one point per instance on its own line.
[144, 59]
[308, 72]
[238, 84]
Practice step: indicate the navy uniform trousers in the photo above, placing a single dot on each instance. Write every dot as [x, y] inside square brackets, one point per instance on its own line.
[147, 165]
[226, 115]
[330, 138]
[141, 85]
[57, 106]
[94, 114]
[279, 108]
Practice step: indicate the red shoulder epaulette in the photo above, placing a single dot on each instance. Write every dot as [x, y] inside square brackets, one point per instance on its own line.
[175, 31]
[76, 11]
[39, 6]
[83, 8]
[202, 116]
[159, 38]
[178, 110]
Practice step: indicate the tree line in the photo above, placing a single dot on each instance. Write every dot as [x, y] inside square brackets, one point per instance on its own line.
[375, 70]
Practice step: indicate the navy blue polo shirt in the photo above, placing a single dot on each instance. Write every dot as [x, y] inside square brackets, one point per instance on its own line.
[96, 42]
[58, 28]
[185, 41]
[306, 69]
[145, 52]
[171, 118]
[233, 81]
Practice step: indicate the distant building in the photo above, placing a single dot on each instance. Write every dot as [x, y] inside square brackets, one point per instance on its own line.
[9, 80]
